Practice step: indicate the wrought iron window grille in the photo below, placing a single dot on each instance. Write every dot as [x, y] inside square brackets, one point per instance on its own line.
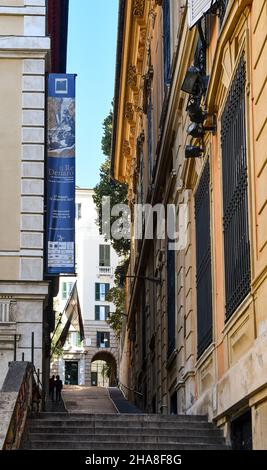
[235, 194]
[203, 258]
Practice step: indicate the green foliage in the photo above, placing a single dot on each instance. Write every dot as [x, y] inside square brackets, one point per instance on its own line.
[107, 135]
[107, 370]
[107, 187]
[117, 295]
[56, 351]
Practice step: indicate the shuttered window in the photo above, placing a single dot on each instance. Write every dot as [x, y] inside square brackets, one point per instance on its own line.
[166, 41]
[235, 194]
[104, 255]
[101, 291]
[102, 339]
[102, 312]
[171, 299]
[203, 262]
[66, 289]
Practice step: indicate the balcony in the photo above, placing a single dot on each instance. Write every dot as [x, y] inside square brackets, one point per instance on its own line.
[105, 271]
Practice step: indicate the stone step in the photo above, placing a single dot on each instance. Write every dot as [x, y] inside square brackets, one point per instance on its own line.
[115, 445]
[121, 417]
[129, 438]
[103, 424]
[96, 430]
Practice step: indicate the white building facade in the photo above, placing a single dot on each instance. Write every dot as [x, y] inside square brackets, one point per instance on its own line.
[96, 262]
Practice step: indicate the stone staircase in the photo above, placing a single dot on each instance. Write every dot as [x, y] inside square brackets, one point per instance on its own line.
[80, 431]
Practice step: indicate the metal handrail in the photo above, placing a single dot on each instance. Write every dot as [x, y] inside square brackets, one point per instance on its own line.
[130, 389]
[37, 381]
[28, 396]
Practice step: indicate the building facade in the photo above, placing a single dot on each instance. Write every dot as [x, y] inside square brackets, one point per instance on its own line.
[33, 43]
[96, 262]
[190, 131]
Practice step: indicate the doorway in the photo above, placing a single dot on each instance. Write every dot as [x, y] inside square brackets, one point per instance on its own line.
[103, 370]
[71, 372]
[173, 404]
[241, 432]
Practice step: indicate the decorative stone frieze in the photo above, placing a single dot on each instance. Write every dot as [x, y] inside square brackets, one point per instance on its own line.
[132, 76]
[126, 149]
[129, 112]
[139, 8]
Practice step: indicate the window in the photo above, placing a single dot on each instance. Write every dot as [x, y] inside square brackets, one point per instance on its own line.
[102, 339]
[149, 139]
[235, 194]
[104, 255]
[102, 312]
[78, 209]
[66, 290]
[143, 323]
[74, 339]
[141, 180]
[171, 299]
[203, 262]
[101, 291]
[166, 41]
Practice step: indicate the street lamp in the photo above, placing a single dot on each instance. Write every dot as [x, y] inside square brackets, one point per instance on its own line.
[194, 82]
[192, 151]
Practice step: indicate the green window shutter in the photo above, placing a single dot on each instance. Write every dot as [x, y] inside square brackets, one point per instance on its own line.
[107, 287]
[64, 290]
[104, 255]
[97, 291]
[107, 310]
[107, 255]
[98, 339]
[101, 255]
[97, 312]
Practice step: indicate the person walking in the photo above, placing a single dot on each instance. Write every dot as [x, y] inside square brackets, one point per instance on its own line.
[59, 386]
[52, 384]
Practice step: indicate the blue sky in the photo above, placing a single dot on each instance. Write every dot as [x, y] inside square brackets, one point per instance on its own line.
[92, 40]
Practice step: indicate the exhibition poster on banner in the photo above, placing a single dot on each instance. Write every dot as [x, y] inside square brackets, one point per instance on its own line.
[60, 230]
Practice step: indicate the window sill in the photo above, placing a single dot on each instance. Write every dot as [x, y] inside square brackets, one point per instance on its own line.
[241, 309]
[205, 355]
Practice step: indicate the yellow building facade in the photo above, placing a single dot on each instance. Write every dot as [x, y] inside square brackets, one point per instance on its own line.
[196, 334]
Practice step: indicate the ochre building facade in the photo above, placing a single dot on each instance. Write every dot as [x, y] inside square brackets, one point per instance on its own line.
[190, 129]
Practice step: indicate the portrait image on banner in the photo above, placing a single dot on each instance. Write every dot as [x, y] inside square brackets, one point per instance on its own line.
[61, 175]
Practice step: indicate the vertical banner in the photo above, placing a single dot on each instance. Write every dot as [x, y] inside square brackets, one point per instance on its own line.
[60, 229]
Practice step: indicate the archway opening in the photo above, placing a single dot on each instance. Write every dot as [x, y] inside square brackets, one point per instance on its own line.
[103, 370]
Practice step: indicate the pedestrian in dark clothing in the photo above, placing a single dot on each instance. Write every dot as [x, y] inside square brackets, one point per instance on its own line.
[52, 384]
[59, 387]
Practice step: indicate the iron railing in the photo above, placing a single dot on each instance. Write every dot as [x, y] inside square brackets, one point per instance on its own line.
[235, 194]
[132, 390]
[170, 299]
[28, 401]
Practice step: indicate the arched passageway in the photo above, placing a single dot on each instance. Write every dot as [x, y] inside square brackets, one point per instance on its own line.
[103, 369]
